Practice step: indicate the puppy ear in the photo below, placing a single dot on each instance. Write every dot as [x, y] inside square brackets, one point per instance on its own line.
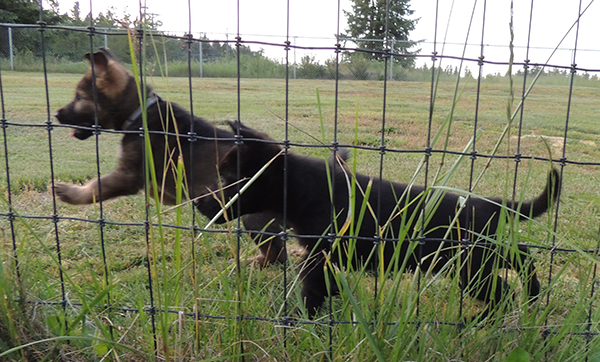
[247, 132]
[236, 125]
[228, 164]
[100, 60]
[106, 52]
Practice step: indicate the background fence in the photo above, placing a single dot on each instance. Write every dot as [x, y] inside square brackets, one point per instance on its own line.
[214, 55]
[132, 281]
[66, 45]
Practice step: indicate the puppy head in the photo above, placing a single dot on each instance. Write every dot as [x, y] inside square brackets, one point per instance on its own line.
[110, 75]
[111, 79]
[237, 167]
[249, 156]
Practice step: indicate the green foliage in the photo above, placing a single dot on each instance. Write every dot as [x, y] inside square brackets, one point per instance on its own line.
[28, 12]
[368, 21]
[518, 355]
[359, 66]
[65, 44]
[310, 69]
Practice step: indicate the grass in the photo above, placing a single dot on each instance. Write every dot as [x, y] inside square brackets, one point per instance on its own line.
[210, 284]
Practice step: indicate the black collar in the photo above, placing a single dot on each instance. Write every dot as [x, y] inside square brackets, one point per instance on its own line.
[131, 121]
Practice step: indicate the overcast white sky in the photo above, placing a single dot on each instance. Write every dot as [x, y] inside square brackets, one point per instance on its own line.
[314, 23]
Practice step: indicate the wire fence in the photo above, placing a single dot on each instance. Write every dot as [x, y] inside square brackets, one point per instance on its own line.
[66, 45]
[195, 54]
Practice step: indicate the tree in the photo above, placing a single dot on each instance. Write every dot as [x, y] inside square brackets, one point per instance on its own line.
[28, 12]
[367, 24]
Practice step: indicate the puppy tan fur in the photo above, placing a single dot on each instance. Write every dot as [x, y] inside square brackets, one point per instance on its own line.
[116, 102]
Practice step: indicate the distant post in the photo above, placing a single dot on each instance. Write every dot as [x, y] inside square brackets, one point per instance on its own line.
[10, 49]
[200, 57]
[295, 57]
[392, 60]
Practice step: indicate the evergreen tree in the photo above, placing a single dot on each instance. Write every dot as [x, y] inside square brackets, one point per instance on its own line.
[367, 24]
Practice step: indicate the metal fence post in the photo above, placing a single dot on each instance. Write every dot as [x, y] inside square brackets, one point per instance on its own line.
[295, 64]
[200, 58]
[10, 49]
[392, 59]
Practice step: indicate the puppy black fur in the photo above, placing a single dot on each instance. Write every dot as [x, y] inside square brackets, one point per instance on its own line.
[310, 212]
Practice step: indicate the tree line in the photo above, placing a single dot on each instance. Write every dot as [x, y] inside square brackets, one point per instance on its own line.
[369, 23]
[69, 45]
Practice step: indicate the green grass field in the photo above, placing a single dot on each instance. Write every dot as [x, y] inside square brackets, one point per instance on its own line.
[197, 275]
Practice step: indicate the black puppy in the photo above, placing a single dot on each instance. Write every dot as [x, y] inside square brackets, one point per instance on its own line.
[310, 212]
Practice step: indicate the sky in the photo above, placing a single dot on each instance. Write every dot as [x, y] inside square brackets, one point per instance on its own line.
[314, 23]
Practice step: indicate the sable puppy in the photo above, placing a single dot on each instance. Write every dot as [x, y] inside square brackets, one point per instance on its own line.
[309, 210]
[118, 107]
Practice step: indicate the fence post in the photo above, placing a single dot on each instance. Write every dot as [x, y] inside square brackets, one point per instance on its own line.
[200, 56]
[10, 49]
[295, 65]
[392, 59]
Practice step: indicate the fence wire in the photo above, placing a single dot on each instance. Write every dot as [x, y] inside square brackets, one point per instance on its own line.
[189, 50]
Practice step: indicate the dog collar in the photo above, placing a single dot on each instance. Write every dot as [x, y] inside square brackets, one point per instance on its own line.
[132, 119]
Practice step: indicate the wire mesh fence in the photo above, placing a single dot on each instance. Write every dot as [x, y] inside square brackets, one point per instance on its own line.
[213, 55]
[133, 264]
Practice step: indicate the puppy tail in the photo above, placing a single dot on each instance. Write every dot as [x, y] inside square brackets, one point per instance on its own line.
[540, 204]
[341, 154]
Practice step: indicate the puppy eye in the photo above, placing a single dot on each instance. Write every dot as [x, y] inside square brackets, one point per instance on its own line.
[78, 97]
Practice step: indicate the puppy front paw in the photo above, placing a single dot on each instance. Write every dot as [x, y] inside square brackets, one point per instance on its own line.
[71, 194]
[209, 206]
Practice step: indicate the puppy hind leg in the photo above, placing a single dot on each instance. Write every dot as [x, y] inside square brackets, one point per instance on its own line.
[314, 287]
[523, 264]
[493, 289]
[482, 281]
